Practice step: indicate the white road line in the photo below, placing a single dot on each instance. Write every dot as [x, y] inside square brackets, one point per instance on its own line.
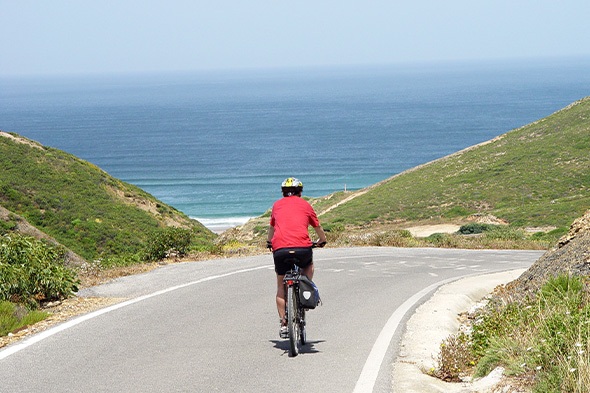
[316, 259]
[66, 325]
[368, 376]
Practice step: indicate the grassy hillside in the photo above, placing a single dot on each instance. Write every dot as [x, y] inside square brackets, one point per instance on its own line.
[537, 175]
[80, 205]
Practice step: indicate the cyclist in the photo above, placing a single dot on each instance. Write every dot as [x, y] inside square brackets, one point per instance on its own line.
[288, 237]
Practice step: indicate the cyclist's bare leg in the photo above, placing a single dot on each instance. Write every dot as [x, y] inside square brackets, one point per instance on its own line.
[281, 294]
[309, 270]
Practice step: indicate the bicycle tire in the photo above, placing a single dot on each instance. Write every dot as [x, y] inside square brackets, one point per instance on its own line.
[302, 332]
[292, 323]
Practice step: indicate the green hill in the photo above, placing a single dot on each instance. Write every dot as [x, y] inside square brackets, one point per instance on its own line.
[537, 175]
[79, 205]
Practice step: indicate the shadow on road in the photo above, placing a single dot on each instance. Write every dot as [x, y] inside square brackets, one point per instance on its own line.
[283, 345]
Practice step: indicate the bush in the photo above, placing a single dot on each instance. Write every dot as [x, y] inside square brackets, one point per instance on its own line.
[550, 237]
[455, 358]
[396, 238]
[474, 228]
[166, 241]
[505, 233]
[444, 240]
[32, 271]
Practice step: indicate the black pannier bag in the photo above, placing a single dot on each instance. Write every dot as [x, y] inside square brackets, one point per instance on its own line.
[309, 295]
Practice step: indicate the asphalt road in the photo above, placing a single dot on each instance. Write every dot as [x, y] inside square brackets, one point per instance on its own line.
[212, 326]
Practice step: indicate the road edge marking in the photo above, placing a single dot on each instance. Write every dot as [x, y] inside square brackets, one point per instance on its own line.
[12, 349]
[368, 377]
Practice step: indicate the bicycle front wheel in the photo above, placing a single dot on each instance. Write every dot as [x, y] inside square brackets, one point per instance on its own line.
[292, 323]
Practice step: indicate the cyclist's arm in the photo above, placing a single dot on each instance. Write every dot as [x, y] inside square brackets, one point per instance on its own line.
[321, 234]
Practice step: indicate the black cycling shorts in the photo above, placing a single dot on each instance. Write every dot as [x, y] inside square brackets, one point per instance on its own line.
[285, 257]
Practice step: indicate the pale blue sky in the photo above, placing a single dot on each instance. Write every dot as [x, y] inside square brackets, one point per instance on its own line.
[80, 36]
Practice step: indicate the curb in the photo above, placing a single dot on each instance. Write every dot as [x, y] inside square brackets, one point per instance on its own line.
[433, 322]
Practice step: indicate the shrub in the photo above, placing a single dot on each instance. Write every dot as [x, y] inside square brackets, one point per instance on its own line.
[396, 238]
[166, 241]
[474, 228]
[32, 271]
[550, 237]
[501, 232]
[455, 358]
[444, 240]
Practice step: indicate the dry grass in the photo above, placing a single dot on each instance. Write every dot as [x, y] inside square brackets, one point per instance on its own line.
[543, 344]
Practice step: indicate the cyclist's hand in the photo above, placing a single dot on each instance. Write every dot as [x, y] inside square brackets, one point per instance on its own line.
[320, 244]
[269, 245]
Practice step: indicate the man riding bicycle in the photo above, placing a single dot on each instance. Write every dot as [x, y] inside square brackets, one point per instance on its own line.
[288, 237]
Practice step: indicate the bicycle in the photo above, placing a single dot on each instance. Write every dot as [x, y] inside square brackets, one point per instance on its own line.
[295, 308]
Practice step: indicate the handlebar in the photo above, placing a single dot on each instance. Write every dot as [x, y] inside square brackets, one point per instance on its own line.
[318, 244]
[315, 244]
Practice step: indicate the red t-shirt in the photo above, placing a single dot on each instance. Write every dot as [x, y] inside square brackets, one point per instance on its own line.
[290, 218]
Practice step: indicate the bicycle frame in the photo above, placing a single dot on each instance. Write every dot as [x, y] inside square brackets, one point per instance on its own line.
[294, 312]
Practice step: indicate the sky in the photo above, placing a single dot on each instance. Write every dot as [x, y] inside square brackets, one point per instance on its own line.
[126, 36]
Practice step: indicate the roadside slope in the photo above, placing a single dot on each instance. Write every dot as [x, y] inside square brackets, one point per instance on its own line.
[78, 204]
[536, 175]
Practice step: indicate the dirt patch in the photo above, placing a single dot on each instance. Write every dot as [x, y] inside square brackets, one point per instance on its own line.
[427, 230]
[482, 218]
[21, 140]
[92, 275]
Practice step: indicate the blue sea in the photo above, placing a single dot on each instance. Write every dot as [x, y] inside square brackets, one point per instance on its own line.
[217, 145]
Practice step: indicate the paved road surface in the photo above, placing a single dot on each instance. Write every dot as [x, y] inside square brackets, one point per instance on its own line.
[212, 326]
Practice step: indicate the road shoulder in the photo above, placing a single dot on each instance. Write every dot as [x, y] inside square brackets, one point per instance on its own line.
[433, 322]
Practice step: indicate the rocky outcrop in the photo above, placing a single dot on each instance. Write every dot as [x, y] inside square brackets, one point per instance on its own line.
[570, 255]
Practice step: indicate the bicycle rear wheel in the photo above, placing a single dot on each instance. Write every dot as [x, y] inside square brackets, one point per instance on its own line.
[292, 323]
[302, 332]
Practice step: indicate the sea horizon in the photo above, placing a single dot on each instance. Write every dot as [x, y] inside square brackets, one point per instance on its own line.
[217, 145]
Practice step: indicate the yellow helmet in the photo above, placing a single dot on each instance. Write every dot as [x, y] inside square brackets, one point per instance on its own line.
[291, 186]
[292, 182]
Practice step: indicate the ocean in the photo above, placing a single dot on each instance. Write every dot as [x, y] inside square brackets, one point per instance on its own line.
[217, 145]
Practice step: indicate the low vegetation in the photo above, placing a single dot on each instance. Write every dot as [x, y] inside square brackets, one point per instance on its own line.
[542, 342]
[33, 272]
[14, 317]
[469, 236]
[61, 217]
[493, 237]
[81, 206]
[534, 176]
[532, 181]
